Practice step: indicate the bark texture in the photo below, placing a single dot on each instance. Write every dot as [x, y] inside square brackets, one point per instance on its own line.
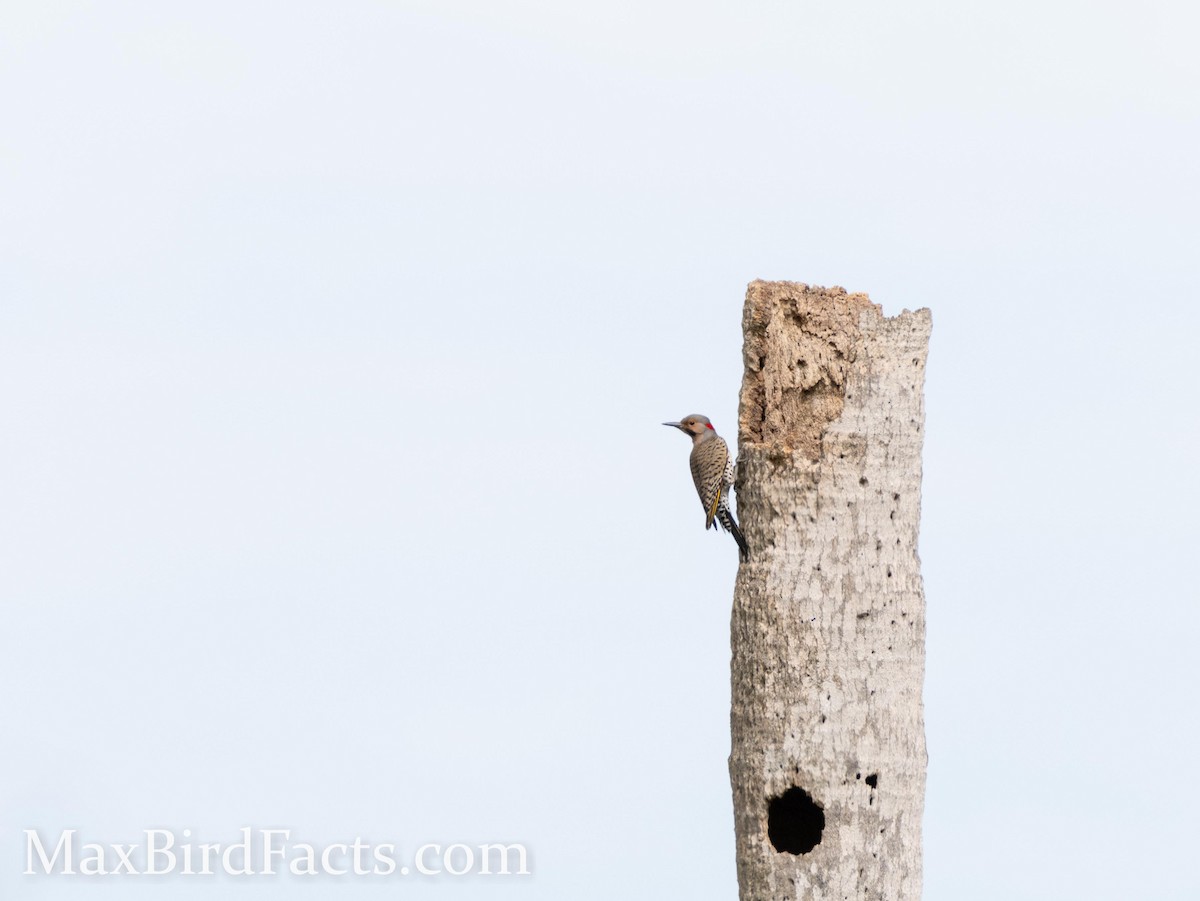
[828, 754]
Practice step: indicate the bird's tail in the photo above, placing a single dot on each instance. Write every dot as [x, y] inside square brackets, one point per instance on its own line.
[729, 524]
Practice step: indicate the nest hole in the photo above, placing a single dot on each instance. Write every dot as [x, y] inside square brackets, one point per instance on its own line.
[794, 822]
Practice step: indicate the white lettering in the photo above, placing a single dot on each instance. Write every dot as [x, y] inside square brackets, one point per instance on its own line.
[485, 865]
[384, 857]
[420, 859]
[164, 851]
[359, 846]
[123, 853]
[152, 851]
[308, 858]
[206, 852]
[329, 867]
[244, 846]
[448, 860]
[269, 849]
[93, 865]
[66, 839]
[186, 849]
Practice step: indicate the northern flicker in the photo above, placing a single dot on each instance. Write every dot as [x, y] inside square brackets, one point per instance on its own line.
[712, 471]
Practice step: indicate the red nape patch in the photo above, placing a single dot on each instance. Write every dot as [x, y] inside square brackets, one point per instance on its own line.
[710, 425]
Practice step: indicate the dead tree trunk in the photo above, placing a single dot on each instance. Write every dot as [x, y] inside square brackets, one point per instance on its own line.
[828, 755]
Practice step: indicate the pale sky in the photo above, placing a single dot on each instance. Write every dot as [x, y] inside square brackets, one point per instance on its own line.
[335, 341]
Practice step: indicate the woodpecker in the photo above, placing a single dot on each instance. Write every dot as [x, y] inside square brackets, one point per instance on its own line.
[712, 471]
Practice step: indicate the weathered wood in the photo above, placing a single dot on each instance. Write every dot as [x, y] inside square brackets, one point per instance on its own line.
[828, 753]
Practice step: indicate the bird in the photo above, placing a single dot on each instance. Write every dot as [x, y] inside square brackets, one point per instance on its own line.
[712, 471]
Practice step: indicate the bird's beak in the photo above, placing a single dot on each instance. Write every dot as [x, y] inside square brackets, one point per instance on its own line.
[678, 425]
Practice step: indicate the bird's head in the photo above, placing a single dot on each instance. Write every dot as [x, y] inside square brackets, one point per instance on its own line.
[695, 425]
